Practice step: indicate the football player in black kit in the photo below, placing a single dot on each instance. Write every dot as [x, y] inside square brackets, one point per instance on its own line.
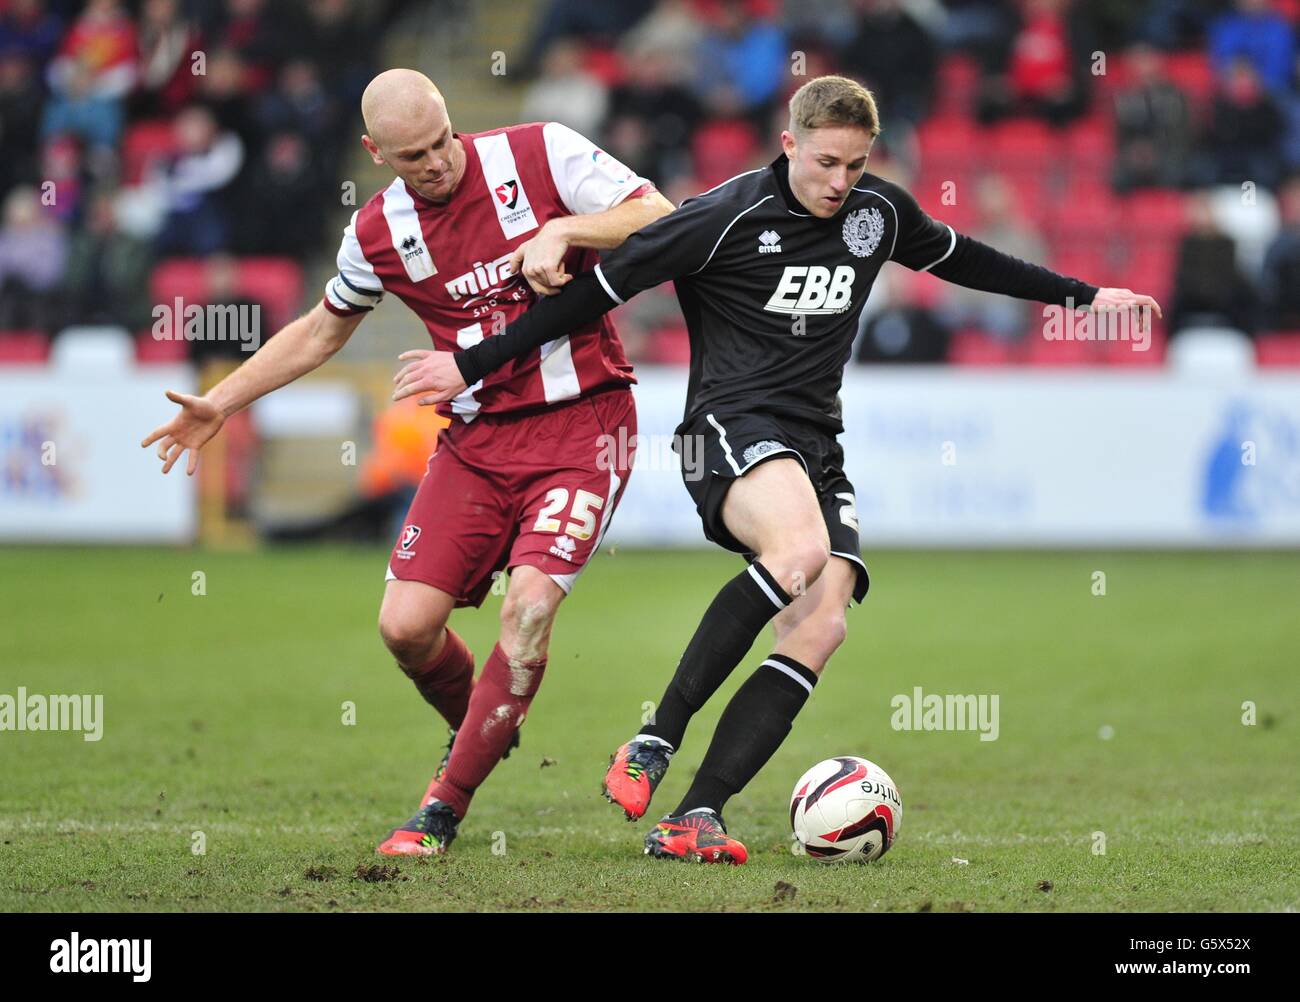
[772, 269]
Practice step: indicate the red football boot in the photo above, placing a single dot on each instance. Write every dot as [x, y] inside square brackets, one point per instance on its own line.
[634, 773]
[698, 837]
[429, 833]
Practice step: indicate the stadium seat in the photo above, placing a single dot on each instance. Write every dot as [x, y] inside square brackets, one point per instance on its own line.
[948, 143]
[1122, 354]
[1211, 352]
[1090, 144]
[144, 145]
[275, 282]
[923, 288]
[100, 348]
[958, 80]
[1192, 72]
[183, 277]
[1022, 146]
[604, 64]
[152, 351]
[24, 348]
[974, 347]
[1039, 351]
[1279, 348]
[722, 149]
[669, 346]
[1155, 213]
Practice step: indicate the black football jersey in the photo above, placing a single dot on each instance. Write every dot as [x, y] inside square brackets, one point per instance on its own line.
[771, 294]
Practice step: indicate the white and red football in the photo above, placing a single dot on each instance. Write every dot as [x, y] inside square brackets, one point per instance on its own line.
[846, 810]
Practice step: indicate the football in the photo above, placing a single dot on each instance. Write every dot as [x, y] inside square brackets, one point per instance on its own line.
[845, 810]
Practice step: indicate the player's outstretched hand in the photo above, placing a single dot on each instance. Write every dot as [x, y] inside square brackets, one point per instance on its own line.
[541, 261]
[1113, 300]
[190, 430]
[433, 373]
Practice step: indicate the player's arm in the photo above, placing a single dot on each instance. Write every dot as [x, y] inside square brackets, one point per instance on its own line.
[679, 244]
[607, 202]
[541, 259]
[925, 244]
[303, 345]
[298, 348]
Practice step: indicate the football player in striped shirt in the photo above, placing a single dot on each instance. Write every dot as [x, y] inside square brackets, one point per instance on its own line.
[469, 230]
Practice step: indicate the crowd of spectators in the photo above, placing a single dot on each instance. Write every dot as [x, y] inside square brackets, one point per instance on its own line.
[1147, 143]
[1133, 98]
[138, 132]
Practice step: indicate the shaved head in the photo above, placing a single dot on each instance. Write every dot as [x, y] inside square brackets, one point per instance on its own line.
[396, 98]
[407, 128]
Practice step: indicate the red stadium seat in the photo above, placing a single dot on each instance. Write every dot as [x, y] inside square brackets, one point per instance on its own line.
[670, 346]
[1090, 207]
[1022, 146]
[151, 351]
[179, 276]
[974, 347]
[1156, 213]
[1122, 354]
[722, 149]
[1192, 72]
[1090, 142]
[958, 80]
[1281, 348]
[144, 145]
[605, 65]
[924, 289]
[1039, 351]
[24, 348]
[948, 143]
[275, 282]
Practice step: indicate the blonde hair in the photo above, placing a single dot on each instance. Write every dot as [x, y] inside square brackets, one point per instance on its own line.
[833, 100]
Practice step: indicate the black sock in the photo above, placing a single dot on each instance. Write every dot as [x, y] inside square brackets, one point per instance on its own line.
[752, 728]
[732, 622]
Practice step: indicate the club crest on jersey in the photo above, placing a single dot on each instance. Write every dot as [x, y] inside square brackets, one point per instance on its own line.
[508, 193]
[760, 449]
[409, 535]
[863, 231]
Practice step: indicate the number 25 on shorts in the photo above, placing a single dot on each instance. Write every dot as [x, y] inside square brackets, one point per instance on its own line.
[583, 513]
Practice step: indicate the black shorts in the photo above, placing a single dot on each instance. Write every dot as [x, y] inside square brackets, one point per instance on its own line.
[730, 445]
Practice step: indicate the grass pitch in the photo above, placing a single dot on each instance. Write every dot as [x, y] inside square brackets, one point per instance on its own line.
[224, 715]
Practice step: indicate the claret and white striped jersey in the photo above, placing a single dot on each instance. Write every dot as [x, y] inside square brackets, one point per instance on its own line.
[449, 262]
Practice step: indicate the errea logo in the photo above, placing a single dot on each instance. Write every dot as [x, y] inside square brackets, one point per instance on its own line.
[813, 289]
[564, 547]
[769, 242]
